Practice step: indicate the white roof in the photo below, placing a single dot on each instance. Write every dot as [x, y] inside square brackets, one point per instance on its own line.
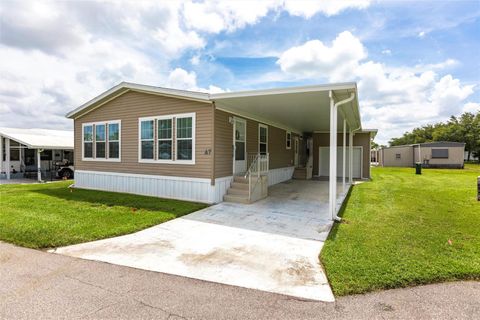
[298, 109]
[40, 138]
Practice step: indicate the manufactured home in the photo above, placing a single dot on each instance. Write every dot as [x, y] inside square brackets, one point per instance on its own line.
[35, 153]
[431, 155]
[219, 147]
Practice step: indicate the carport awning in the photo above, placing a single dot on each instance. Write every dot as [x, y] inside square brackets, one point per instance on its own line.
[40, 138]
[299, 109]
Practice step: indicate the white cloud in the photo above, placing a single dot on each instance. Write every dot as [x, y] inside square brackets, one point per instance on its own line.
[387, 52]
[421, 34]
[181, 79]
[308, 8]
[393, 99]
[471, 107]
[315, 59]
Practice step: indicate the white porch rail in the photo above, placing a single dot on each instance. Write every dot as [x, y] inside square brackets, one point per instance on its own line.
[259, 166]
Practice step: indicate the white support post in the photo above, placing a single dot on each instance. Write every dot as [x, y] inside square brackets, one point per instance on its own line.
[344, 154]
[39, 166]
[332, 178]
[350, 157]
[7, 157]
[1, 154]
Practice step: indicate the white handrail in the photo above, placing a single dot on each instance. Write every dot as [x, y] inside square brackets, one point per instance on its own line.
[258, 166]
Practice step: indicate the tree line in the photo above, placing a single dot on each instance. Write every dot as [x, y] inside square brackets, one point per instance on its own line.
[465, 128]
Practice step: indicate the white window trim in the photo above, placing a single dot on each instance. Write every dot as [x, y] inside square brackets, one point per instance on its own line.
[287, 140]
[94, 151]
[260, 125]
[95, 140]
[174, 138]
[119, 122]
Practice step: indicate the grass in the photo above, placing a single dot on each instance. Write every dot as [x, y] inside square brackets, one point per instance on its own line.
[50, 215]
[403, 229]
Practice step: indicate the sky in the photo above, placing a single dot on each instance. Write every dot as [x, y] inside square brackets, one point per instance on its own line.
[415, 62]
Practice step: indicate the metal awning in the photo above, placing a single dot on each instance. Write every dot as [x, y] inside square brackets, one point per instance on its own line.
[40, 138]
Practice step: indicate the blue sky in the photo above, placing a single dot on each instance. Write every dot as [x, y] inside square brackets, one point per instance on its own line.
[415, 62]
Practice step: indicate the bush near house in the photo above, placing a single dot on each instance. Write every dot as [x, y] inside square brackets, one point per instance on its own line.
[403, 229]
[52, 215]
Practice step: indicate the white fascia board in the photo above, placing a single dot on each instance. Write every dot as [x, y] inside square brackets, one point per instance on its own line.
[31, 146]
[252, 93]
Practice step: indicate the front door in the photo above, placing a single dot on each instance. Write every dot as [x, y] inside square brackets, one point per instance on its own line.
[295, 147]
[239, 146]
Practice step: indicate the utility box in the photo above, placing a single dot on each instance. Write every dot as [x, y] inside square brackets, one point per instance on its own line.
[418, 168]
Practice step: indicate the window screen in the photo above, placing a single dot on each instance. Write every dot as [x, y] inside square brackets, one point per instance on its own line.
[440, 153]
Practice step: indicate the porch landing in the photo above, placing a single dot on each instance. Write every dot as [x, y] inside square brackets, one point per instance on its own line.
[271, 245]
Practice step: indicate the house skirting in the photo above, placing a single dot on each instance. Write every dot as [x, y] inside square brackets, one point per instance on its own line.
[181, 188]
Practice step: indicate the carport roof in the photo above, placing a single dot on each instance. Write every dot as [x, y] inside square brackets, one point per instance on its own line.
[40, 138]
[299, 109]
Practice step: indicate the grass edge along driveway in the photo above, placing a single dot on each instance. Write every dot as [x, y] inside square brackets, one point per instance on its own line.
[402, 229]
[52, 215]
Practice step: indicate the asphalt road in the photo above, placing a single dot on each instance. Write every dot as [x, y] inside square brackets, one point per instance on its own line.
[40, 285]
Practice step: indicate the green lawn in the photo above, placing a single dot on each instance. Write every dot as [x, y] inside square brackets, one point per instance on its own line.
[403, 229]
[49, 215]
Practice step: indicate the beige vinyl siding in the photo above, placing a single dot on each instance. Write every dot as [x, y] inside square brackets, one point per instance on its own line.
[389, 157]
[455, 156]
[131, 106]
[280, 156]
[359, 139]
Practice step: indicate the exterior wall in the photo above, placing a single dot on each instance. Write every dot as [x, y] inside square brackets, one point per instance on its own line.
[191, 189]
[359, 139]
[133, 105]
[388, 156]
[280, 156]
[455, 157]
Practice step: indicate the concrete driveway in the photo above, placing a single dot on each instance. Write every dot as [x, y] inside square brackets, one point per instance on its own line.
[272, 245]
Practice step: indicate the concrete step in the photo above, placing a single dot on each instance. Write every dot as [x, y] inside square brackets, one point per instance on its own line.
[239, 185]
[240, 179]
[238, 191]
[236, 198]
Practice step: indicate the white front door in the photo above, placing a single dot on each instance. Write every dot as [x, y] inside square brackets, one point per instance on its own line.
[239, 146]
[295, 146]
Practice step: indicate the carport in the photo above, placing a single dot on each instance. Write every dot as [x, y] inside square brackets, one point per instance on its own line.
[331, 109]
[30, 151]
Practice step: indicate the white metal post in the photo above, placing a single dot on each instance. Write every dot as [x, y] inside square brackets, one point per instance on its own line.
[344, 153]
[350, 157]
[39, 166]
[332, 179]
[7, 157]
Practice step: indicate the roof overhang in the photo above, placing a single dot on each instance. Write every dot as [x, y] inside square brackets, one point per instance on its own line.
[40, 138]
[299, 109]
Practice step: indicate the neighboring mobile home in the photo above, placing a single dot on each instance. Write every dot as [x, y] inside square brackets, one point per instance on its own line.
[210, 147]
[33, 153]
[431, 155]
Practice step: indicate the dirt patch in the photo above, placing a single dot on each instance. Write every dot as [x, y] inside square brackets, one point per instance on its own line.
[297, 272]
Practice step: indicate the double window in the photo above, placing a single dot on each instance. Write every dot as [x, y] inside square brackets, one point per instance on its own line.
[167, 139]
[101, 141]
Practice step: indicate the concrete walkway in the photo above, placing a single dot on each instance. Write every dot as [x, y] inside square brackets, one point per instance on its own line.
[271, 245]
[39, 285]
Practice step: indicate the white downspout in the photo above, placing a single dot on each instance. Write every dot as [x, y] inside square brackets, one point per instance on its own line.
[1, 154]
[332, 203]
[350, 157]
[39, 166]
[344, 153]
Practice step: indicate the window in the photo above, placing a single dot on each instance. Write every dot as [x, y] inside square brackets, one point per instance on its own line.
[146, 139]
[88, 141]
[289, 140]
[397, 156]
[113, 140]
[167, 139]
[164, 139]
[101, 141]
[262, 139]
[439, 153]
[184, 138]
